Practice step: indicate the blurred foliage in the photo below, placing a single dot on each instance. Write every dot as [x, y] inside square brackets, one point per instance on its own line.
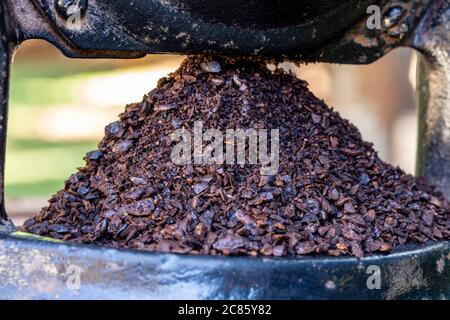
[43, 84]
[37, 167]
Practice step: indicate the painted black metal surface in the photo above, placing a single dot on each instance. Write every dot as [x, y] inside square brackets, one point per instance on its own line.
[310, 31]
[41, 270]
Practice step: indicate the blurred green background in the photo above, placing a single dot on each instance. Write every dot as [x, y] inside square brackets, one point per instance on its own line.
[59, 107]
[36, 166]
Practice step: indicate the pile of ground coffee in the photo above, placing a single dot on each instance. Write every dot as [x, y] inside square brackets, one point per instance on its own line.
[331, 193]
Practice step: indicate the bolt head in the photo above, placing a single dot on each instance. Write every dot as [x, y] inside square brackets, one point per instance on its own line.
[69, 8]
[393, 16]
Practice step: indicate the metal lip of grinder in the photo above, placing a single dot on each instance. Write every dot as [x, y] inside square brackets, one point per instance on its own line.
[303, 30]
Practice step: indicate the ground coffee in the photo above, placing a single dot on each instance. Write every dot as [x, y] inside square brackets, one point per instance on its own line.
[330, 193]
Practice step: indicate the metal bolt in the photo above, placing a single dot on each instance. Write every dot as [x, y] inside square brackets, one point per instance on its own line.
[71, 8]
[393, 16]
[400, 31]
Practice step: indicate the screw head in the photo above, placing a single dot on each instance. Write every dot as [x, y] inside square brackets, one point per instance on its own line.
[70, 8]
[393, 16]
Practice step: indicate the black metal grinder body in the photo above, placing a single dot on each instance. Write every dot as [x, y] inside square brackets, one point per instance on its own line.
[347, 31]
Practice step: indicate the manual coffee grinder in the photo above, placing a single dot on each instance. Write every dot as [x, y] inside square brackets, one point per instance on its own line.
[348, 31]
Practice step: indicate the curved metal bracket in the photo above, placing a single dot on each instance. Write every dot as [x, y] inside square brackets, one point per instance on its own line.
[154, 27]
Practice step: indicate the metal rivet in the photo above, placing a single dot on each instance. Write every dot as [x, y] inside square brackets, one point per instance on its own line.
[393, 16]
[70, 8]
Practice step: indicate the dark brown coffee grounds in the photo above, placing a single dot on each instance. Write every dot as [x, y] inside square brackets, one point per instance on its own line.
[332, 194]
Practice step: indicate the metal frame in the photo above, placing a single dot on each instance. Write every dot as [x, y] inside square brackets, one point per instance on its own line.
[432, 39]
[122, 29]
